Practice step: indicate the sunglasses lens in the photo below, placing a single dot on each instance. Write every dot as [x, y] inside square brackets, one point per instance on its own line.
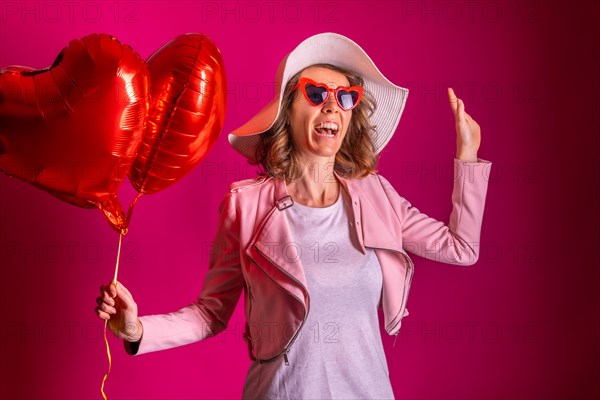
[347, 99]
[315, 94]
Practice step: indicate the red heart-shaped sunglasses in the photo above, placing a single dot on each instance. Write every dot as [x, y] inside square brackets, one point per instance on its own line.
[318, 93]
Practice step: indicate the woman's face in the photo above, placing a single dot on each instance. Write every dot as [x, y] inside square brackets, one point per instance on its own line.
[311, 139]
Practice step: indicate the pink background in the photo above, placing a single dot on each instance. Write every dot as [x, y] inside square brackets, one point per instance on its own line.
[521, 323]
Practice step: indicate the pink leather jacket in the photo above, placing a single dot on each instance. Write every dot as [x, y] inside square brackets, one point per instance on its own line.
[251, 253]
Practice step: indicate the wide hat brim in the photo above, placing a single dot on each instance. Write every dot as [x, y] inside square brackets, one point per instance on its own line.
[338, 50]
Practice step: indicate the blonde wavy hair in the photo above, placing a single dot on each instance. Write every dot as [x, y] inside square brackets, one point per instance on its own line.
[356, 158]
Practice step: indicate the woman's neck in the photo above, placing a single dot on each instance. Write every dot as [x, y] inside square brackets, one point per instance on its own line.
[317, 186]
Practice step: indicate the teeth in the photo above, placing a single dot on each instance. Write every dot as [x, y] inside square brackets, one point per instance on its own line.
[325, 133]
[327, 125]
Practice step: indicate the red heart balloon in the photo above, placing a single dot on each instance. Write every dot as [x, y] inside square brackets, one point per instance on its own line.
[187, 81]
[73, 129]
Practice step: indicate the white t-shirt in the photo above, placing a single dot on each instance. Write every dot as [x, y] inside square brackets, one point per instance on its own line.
[338, 353]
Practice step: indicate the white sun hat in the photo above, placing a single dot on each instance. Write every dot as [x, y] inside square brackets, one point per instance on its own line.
[340, 51]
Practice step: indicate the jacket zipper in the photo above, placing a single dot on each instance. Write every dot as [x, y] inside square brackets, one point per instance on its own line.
[251, 301]
[287, 348]
[285, 356]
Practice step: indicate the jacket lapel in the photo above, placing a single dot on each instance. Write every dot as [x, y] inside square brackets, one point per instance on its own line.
[372, 230]
[271, 247]
[397, 268]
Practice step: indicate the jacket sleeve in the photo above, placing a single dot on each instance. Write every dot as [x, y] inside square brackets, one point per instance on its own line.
[220, 293]
[457, 242]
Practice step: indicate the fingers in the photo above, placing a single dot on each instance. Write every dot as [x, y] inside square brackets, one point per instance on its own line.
[123, 289]
[113, 298]
[106, 301]
[110, 292]
[453, 101]
[462, 116]
[106, 297]
[102, 314]
[103, 310]
[458, 107]
[109, 289]
[106, 307]
[124, 295]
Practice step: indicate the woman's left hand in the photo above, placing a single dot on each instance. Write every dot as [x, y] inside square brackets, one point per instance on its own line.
[468, 132]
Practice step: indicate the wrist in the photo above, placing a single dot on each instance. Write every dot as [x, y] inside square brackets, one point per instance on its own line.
[134, 331]
[139, 330]
[468, 156]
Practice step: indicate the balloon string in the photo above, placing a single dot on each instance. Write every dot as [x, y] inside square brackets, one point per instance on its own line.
[114, 282]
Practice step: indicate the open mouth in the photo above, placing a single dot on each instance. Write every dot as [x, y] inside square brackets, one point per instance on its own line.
[327, 129]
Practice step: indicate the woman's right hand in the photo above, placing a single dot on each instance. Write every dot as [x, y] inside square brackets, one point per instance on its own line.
[116, 305]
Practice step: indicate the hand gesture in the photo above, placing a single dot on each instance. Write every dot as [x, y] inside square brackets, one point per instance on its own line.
[468, 132]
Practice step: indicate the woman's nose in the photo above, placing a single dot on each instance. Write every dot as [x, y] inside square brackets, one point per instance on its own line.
[331, 105]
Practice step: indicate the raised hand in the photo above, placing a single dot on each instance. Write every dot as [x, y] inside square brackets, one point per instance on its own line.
[468, 132]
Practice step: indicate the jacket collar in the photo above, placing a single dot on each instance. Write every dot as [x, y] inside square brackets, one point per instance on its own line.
[273, 237]
[372, 230]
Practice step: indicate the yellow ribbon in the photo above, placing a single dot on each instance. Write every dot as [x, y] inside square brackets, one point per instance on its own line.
[114, 282]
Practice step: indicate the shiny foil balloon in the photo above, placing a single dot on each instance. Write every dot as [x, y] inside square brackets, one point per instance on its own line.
[187, 81]
[73, 129]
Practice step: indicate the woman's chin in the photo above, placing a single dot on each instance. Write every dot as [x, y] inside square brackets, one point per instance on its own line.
[325, 152]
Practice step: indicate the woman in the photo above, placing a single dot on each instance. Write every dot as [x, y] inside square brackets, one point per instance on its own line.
[318, 242]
